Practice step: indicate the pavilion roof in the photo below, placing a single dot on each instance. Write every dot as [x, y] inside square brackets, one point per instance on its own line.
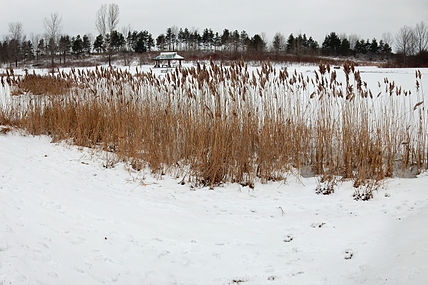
[168, 55]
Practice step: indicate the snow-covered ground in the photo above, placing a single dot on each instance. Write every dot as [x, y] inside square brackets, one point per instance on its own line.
[65, 219]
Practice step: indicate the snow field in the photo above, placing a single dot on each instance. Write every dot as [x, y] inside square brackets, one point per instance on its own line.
[65, 219]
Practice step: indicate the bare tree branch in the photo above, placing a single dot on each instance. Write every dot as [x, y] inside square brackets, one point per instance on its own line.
[421, 34]
[405, 41]
[53, 26]
[15, 30]
[112, 17]
[388, 38]
[100, 21]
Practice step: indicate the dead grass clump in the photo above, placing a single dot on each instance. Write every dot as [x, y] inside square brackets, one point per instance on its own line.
[5, 130]
[41, 85]
[364, 189]
[326, 185]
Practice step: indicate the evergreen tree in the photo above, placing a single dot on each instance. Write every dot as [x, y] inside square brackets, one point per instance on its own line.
[257, 43]
[52, 47]
[225, 38]
[77, 45]
[345, 47]
[299, 44]
[130, 39]
[86, 44]
[305, 42]
[161, 42]
[367, 46]
[117, 40]
[64, 45]
[244, 40]
[374, 47]
[359, 47]
[41, 47]
[170, 39]
[186, 38]
[384, 49]
[140, 46]
[27, 50]
[99, 45]
[312, 44]
[331, 44]
[4, 54]
[217, 41]
[15, 50]
[195, 40]
[142, 41]
[291, 44]
[235, 40]
[180, 39]
[150, 42]
[207, 38]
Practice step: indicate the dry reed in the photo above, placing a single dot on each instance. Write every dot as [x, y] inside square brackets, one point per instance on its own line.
[219, 124]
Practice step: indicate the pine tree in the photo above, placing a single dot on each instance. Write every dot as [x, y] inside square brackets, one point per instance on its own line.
[225, 38]
[140, 46]
[41, 48]
[291, 44]
[117, 40]
[77, 45]
[345, 47]
[257, 43]
[235, 40]
[86, 44]
[244, 40]
[27, 50]
[161, 42]
[64, 46]
[374, 47]
[99, 45]
[331, 44]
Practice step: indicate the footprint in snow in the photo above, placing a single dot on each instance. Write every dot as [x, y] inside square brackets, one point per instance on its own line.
[317, 225]
[348, 254]
[288, 238]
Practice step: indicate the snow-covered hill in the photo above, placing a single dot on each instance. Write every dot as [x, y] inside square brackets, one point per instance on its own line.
[65, 219]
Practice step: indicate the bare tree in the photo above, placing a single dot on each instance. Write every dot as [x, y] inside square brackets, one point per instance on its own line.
[101, 20]
[112, 17]
[421, 35]
[15, 30]
[126, 31]
[387, 38]
[107, 20]
[278, 42]
[405, 42]
[52, 29]
[353, 38]
[53, 26]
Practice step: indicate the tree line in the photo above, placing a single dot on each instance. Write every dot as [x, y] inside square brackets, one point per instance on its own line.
[17, 47]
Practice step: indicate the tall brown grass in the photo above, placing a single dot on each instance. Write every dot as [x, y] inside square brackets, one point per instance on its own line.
[219, 124]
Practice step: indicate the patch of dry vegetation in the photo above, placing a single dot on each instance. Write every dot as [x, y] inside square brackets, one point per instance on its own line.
[219, 124]
[37, 84]
[5, 130]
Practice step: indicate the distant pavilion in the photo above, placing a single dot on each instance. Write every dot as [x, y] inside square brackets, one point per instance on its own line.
[167, 57]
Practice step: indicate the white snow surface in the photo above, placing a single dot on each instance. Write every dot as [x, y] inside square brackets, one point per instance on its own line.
[65, 219]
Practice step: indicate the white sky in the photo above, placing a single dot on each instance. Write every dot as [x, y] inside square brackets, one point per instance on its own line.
[367, 18]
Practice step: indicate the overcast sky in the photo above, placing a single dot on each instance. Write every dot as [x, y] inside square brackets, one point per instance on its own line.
[367, 18]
